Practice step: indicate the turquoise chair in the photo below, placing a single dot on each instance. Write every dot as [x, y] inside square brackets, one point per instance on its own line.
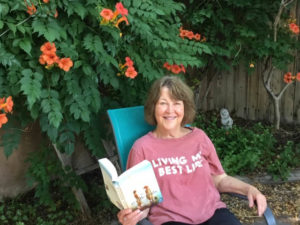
[128, 125]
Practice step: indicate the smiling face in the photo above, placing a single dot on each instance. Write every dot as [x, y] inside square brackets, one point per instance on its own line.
[169, 112]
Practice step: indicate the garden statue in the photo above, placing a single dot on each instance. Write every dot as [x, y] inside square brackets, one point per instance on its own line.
[226, 120]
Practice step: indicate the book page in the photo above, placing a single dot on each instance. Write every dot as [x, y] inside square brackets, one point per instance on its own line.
[109, 174]
[139, 186]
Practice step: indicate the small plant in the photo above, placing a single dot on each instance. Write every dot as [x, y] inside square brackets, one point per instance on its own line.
[24, 211]
[286, 159]
[44, 172]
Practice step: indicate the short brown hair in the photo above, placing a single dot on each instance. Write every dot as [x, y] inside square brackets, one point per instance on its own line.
[178, 91]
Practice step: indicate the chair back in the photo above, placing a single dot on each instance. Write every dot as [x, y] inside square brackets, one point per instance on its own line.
[128, 125]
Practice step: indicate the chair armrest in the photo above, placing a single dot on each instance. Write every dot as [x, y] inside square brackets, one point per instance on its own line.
[268, 215]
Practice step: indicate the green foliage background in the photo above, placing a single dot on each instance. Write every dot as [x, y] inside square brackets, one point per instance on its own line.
[67, 104]
[72, 105]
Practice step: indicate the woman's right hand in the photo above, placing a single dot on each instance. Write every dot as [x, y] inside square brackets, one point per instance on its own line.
[130, 217]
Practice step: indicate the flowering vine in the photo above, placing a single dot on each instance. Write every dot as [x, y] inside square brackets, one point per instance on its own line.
[50, 58]
[112, 18]
[6, 106]
[190, 35]
[289, 78]
[130, 70]
[31, 9]
[293, 27]
[174, 68]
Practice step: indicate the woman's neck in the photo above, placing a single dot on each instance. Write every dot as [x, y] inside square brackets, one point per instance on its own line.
[167, 134]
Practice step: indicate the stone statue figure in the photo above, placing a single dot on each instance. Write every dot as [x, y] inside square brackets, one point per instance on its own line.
[226, 120]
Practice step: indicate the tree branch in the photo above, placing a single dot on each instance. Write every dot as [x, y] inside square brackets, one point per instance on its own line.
[284, 89]
[23, 21]
[283, 4]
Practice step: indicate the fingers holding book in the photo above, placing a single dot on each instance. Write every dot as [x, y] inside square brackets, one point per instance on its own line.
[131, 217]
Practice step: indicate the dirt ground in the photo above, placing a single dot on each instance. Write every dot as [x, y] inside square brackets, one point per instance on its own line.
[283, 199]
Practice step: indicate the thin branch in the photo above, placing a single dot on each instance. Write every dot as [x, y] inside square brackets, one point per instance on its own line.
[283, 89]
[277, 19]
[16, 25]
[286, 3]
[238, 52]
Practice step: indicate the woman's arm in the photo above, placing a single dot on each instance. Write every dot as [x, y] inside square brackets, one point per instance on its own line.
[225, 183]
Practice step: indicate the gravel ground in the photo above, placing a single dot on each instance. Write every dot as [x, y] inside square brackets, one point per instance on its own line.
[283, 199]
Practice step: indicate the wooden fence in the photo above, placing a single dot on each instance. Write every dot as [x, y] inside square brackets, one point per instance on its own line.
[245, 96]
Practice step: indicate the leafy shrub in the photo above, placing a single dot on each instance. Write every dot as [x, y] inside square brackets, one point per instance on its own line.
[241, 150]
[21, 211]
[282, 161]
[244, 151]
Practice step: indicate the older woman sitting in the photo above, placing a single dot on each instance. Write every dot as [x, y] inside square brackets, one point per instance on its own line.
[185, 162]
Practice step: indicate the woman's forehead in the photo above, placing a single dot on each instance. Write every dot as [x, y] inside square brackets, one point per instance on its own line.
[165, 92]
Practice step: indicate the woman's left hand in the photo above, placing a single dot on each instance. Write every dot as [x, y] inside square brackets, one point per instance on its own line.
[255, 195]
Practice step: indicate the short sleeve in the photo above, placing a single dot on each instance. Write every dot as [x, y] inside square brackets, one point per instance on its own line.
[215, 165]
[135, 156]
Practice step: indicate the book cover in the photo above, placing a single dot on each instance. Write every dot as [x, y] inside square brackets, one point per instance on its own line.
[135, 188]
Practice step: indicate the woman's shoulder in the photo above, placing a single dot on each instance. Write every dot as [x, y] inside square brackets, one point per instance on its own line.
[142, 140]
[198, 131]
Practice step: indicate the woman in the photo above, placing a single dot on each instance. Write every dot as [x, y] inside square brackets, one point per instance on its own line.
[185, 162]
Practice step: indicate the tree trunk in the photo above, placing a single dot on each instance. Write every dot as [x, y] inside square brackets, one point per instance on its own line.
[277, 113]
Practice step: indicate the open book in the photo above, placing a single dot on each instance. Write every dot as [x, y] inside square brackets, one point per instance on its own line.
[136, 188]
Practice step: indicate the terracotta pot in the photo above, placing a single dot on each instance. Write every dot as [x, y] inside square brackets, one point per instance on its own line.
[13, 168]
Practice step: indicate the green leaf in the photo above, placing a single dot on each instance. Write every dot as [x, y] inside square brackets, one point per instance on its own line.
[136, 3]
[113, 32]
[77, 8]
[6, 58]
[77, 64]
[55, 78]
[51, 31]
[12, 27]
[1, 24]
[55, 118]
[10, 140]
[46, 105]
[4, 9]
[85, 115]
[31, 86]
[206, 49]
[52, 107]
[75, 110]
[25, 44]
[87, 69]
[69, 148]
[114, 82]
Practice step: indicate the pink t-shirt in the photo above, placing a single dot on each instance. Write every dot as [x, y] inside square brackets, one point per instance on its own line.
[183, 167]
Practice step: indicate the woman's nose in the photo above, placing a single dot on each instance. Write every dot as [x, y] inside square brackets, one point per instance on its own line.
[170, 108]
